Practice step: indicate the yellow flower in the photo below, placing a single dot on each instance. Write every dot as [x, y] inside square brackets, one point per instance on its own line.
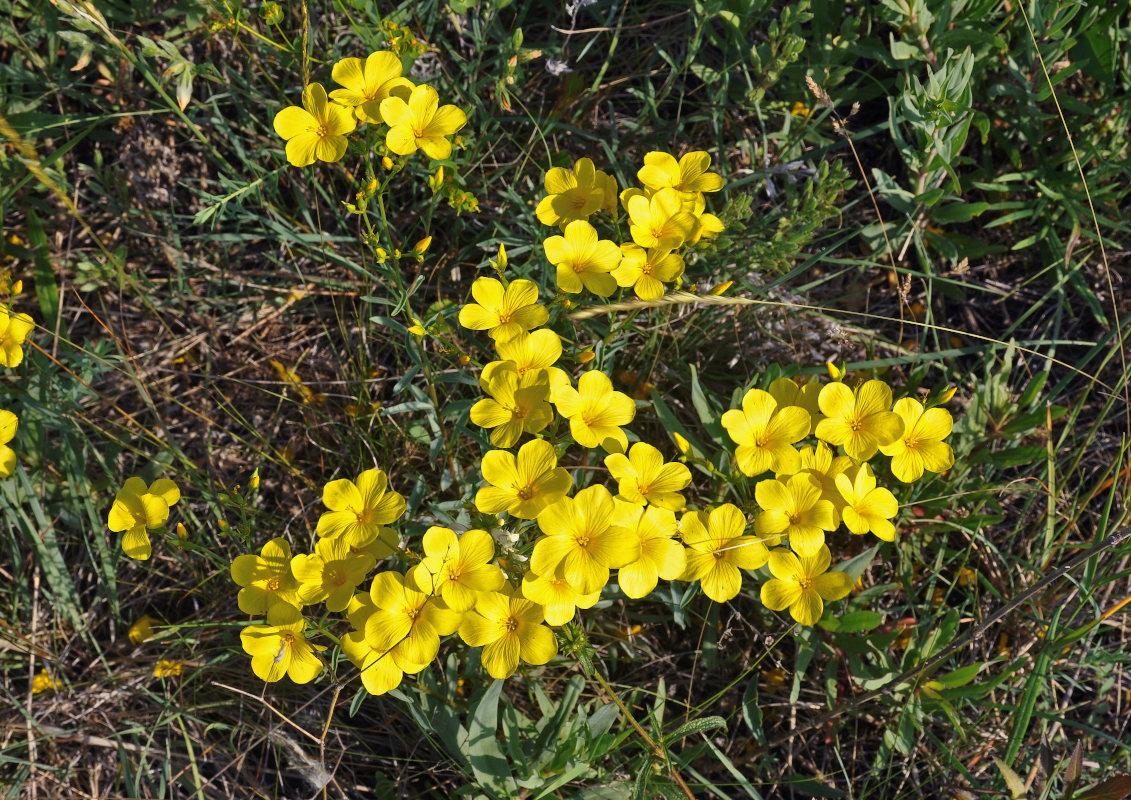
[458, 569]
[572, 194]
[921, 446]
[366, 85]
[788, 392]
[867, 507]
[583, 260]
[525, 485]
[820, 463]
[765, 434]
[558, 599]
[142, 629]
[608, 185]
[595, 411]
[503, 313]
[331, 573]
[660, 221]
[14, 329]
[719, 550]
[138, 508]
[43, 682]
[707, 226]
[515, 405]
[794, 509]
[661, 171]
[803, 584]
[359, 511]
[508, 627]
[266, 578]
[643, 477]
[280, 648]
[648, 270]
[8, 424]
[538, 349]
[421, 123]
[860, 421]
[408, 623]
[661, 556]
[379, 673]
[583, 537]
[168, 668]
[315, 131]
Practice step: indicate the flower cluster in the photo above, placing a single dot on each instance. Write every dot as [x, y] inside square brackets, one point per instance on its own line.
[373, 92]
[544, 547]
[665, 216]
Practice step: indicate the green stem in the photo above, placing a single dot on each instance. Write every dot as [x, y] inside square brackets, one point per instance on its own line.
[656, 749]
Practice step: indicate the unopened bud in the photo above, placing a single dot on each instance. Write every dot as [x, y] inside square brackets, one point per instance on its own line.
[835, 372]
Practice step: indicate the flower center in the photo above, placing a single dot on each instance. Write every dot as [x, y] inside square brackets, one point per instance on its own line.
[364, 517]
[525, 493]
[274, 583]
[505, 317]
[583, 539]
[805, 583]
[511, 624]
[720, 554]
[335, 576]
[795, 519]
[322, 131]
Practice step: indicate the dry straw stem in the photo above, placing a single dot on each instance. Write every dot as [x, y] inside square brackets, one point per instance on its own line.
[688, 298]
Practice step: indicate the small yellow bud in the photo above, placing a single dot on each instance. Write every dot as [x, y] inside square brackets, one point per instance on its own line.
[835, 372]
[417, 329]
[142, 629]
[182, 531]
[168, 668]
[222, 525]
[681, 443]
[386, 162]
[947, 394]
[17, 287]
[501, 261]
[422, 246]
[43, 682]
[585, 356]
[371, 186]
[464, 360]
[253, 484]
[722, 287]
